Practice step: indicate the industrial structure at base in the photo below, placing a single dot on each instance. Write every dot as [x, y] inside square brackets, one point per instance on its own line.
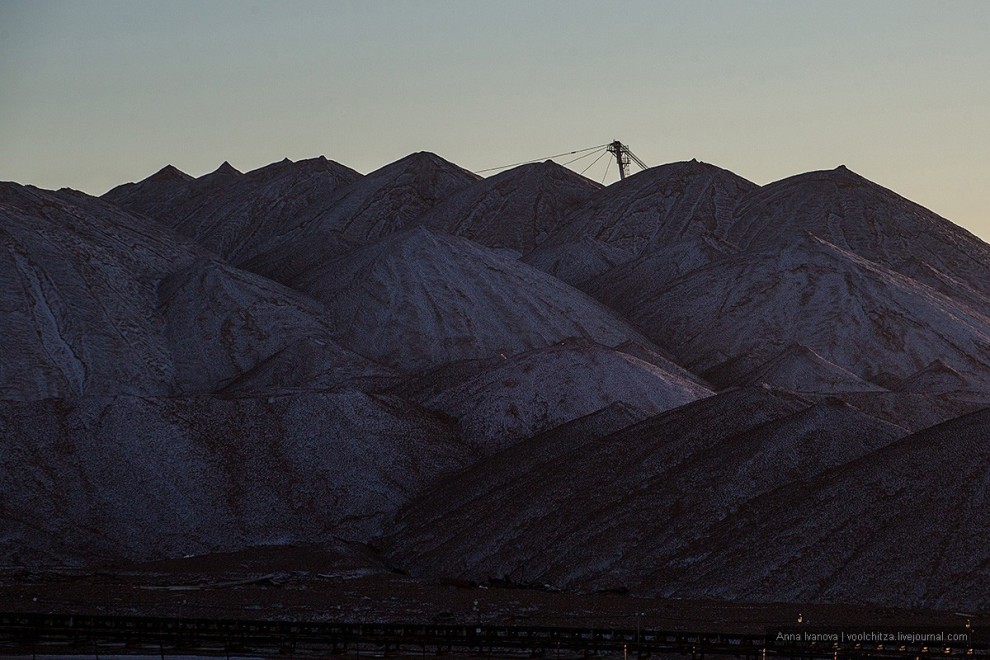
[34, 634]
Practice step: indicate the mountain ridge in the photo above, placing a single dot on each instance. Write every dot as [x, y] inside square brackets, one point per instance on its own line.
[653, 386]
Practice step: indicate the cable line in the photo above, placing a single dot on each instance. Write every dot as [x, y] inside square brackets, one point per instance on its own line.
[537, 160]
[593, 162]
[574, 160]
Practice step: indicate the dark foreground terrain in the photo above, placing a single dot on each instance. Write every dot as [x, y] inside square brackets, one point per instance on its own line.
[683, 400]
[312, 584]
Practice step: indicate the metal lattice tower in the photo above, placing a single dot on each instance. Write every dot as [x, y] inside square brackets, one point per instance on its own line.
[623, 156]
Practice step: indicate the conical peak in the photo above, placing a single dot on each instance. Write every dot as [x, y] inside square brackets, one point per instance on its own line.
[272, 169]
[318, 164]
[681, 180]
[420, 157]
[843, 174]
[685, 170]
[543, 166]
[225, 170]
[169, 173]
[547, 166]
[547, 169]
[692, 166]
[840, 176]
[322, 164]
[424, 161]
[696, 165]
[840, 205]
[527, 170]
[551, 168]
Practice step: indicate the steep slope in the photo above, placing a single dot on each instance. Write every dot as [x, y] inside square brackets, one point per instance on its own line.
[290, 261]
[852, 313]
[235, 215]
[540, 389]
[536, 503]
[223, 323]
[152, 195]
[655, 270]
[656, 208]
[937, 377]
[392, 197]
[310, 363]
[864, 218]
[169, 195]
[420, 299]
[905, 524]
[79, 296]
[620, 510]
[95, 479]
[97, 301]
[945, 283]
[658, 357]
[514, 209]
[156, 399]
[797, 368]
[916, 411]
[801, 370]
[577, 260]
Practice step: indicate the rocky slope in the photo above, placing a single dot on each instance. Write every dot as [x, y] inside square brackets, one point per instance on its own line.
[95, 479]
[851, 312]
[906, 523]
[797, 368]
[393, 197]
[236, 215]
[620, 510]
[651, 210]
[97, 301]
[419, 299]
[515, 209]
[80, 301]
[857, 215]
[704, 388]
[389, 200]
[541, 389]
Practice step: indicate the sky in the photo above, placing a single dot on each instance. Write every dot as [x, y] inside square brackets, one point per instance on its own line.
[97, 93]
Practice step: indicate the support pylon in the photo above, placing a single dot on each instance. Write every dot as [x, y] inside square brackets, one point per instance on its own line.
[621, 153]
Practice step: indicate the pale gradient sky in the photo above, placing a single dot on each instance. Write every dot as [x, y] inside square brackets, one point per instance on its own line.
[96, 93]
